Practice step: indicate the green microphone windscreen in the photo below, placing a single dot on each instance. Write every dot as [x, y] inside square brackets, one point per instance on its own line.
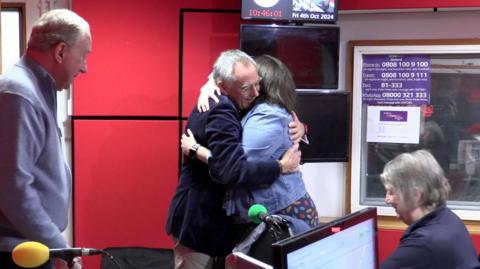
[30, 254]
[255, 211]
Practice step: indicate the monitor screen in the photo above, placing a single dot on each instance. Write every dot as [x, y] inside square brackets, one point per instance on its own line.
[318, 11]
[327, 116]
[345, 243]
[310, 52]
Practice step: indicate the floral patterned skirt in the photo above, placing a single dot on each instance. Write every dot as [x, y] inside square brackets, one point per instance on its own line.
[303, 209]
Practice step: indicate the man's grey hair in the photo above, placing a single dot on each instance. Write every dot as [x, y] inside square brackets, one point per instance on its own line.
[55, 26]
[409, 172]
[223, 67]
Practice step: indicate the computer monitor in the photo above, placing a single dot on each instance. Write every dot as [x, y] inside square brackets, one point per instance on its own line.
[327, 115]
[310, 52]
[348, 242]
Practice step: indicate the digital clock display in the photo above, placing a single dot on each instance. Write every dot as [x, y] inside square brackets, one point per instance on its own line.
[265, 13]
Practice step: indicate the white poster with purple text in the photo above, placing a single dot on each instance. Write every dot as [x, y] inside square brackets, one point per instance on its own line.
[393, 124]
[396, 79]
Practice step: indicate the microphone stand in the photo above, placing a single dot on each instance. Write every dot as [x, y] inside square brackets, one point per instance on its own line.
[277, 224]
[70, 262]
[69, 259]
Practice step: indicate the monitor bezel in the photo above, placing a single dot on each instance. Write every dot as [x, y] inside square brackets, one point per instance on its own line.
[282, 248]
[269, 14]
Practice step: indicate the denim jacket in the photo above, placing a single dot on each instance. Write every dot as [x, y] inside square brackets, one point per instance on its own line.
[265, 137]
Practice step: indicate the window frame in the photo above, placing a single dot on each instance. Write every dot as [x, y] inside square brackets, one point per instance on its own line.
[20, 8]
[356, 50]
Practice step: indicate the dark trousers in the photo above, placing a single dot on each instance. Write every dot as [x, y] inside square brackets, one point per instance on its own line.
[6, 262]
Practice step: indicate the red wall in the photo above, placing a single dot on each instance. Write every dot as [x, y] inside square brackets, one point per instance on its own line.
[205, 35]
[133, 67]
[128, 109]
[387, 242]
[123, 187]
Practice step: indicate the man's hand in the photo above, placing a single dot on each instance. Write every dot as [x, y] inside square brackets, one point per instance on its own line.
[209, 90]
[290, 160]
[61, 264]
[187, 141]
[296, 129]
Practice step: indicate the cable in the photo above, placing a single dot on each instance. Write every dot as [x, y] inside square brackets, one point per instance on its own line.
[114, 261]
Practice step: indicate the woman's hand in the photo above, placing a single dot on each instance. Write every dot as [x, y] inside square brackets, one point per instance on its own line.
[296, 129]
[209, 90]
[187, 141]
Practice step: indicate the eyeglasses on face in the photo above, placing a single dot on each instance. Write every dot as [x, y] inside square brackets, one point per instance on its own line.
[247, 86]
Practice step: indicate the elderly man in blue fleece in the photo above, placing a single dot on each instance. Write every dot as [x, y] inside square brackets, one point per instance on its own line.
[35, 181]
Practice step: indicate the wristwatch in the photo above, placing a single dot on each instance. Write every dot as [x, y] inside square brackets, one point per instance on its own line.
[192, 152]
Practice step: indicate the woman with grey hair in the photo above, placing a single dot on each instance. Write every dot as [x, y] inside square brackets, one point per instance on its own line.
[435, 238]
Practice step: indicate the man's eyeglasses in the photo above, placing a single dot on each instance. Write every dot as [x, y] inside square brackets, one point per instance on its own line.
[247, 86]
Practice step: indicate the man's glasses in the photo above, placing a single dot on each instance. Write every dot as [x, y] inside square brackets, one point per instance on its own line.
[247, 86]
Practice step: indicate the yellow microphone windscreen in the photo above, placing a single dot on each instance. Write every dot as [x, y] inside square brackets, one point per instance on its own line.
[30, 254]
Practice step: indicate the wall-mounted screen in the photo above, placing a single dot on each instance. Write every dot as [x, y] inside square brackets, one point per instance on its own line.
[320, 11]
[345, 243]
[310, 52]
[327, 115]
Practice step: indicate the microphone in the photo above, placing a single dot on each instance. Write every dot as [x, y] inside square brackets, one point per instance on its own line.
[33, 254]
[257, 213]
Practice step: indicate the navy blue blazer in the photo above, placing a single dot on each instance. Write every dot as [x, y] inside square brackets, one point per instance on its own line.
[196, 216]
[439, 240]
